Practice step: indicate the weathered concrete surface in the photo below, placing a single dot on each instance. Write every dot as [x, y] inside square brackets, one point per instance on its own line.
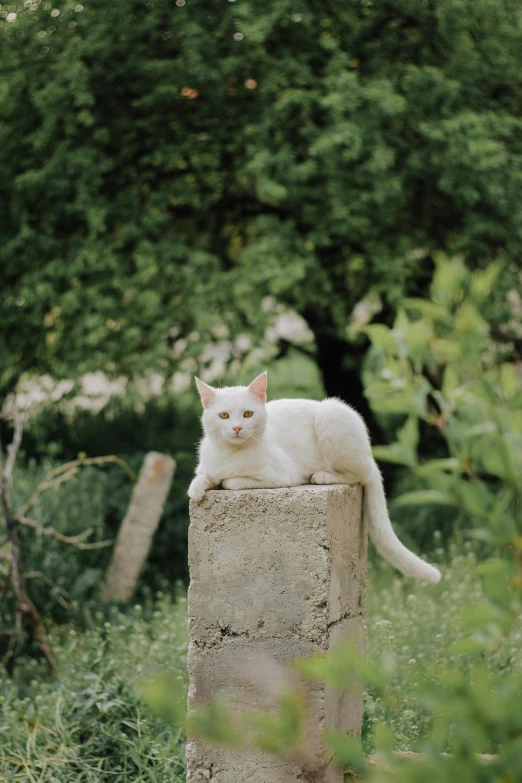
[275, 575]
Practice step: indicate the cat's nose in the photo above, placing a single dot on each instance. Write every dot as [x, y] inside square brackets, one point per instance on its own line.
[237, 429]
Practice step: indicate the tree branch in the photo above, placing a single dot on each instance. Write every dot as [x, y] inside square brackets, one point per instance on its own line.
[76, 541]
[38, 575]
[58, 475]
[7, 583]
[285, 345]
[25, 607]
[14, 446]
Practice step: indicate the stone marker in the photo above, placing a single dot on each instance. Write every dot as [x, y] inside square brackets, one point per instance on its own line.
[275, 574]
[138, 528]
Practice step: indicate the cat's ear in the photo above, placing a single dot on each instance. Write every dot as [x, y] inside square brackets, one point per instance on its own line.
[258, 386]
[207, 393]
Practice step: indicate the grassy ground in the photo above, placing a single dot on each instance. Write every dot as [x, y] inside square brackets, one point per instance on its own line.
[92, 725]
[411, 626]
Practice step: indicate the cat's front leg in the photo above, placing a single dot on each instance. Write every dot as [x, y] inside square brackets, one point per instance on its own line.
[200, 484]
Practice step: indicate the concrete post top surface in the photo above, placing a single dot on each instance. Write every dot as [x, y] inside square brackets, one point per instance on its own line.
[277, 505]
[315, 488]
[234, 495]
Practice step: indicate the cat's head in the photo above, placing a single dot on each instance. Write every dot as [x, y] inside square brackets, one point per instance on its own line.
[235, 414]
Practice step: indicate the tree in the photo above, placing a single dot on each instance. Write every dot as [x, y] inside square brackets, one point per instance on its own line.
[166, 166]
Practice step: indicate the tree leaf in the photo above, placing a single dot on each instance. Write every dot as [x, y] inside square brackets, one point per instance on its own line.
[424, 497]
[382, 338]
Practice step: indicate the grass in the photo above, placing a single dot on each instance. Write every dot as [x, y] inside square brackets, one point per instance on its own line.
[92, 725]
[411, 629]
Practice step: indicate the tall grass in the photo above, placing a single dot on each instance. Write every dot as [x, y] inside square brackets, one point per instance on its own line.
[412, 627]
[92, 725]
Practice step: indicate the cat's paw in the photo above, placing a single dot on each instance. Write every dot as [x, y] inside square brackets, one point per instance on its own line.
[234, 483]
[323, 477]
[198, 486]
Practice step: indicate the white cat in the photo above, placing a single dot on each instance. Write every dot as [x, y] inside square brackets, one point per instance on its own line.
[251, 444]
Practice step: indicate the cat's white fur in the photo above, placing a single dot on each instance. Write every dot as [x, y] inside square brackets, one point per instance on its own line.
[290, 442]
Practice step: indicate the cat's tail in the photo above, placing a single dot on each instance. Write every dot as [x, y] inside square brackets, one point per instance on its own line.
[383, 535]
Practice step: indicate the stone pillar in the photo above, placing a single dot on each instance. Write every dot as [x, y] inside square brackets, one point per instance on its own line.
[275, 574]
[137, 529]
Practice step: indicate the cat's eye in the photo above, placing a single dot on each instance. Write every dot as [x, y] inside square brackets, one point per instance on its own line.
[248, 414]
[224, 415]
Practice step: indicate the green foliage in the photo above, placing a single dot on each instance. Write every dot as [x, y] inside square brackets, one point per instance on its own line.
[213, 722]
[92, 724]
[70, 509]
[439, 365]
[414, 630]
[166, 167]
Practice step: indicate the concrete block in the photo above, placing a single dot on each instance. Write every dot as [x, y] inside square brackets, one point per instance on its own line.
[275, 575]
